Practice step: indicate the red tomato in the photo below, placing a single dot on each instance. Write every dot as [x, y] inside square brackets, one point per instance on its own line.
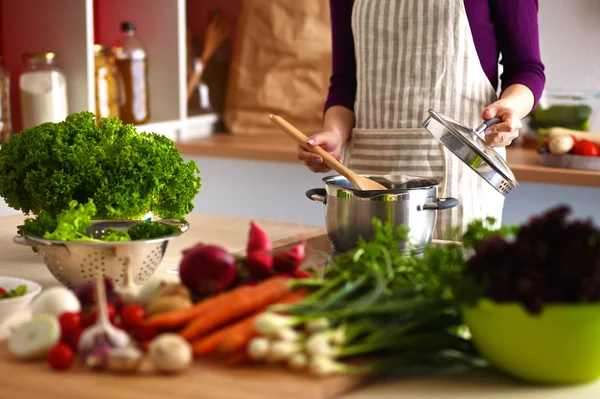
[132, 316]
[69, 322]
[72, 338]
[2, 291]
[586, 148]
[91, 318]
[145, 333]
[60, 357]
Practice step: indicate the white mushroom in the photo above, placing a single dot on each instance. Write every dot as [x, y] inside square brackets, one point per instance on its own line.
[170, 353]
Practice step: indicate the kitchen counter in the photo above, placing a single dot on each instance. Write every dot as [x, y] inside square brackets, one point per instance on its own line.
[231, 233]
[524, 162]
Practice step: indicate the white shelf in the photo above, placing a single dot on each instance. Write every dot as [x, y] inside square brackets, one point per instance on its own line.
[68, 26]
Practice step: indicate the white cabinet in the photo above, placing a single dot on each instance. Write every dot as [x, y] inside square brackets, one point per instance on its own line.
[71, 27]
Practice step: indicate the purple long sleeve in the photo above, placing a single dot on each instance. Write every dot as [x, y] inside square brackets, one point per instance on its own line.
[508, 28]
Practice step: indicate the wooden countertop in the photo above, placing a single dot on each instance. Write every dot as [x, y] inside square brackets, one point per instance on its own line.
[524, 162]
[231, 233]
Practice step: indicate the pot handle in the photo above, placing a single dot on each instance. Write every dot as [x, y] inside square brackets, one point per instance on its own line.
[440, 204]
[31, 241]
[317, 194]
[182, 224]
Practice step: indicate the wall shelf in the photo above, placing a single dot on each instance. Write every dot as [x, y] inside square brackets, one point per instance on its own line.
[72, 27]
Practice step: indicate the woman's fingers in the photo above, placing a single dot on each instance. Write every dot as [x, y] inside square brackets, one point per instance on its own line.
[325, 140]
[503, 134]
[500, 139]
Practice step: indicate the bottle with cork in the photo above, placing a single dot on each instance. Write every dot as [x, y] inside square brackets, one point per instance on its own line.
[132, 63]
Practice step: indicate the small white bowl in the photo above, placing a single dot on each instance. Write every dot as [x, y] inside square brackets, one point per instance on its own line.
[11, 306]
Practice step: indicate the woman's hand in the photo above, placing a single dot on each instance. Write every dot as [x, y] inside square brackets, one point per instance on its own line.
[501, 134]
[516, 103]
[330, 141]
[337, 127]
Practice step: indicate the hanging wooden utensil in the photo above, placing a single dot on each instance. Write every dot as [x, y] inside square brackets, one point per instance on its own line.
[218, 29]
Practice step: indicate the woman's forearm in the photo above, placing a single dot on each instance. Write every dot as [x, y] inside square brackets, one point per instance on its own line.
[519, 98]
[339, 119]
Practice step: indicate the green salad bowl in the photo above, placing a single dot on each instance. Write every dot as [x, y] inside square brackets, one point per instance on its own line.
[561, 346]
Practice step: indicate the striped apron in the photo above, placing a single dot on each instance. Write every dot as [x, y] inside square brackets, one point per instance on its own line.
[413, 55]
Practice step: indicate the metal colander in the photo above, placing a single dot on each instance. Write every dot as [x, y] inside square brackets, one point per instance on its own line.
[76, 263]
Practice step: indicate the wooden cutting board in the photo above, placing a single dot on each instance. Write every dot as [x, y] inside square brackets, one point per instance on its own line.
[19, 380]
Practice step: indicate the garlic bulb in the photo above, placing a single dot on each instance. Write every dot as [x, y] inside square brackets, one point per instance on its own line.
[101, 332]
[129, 292]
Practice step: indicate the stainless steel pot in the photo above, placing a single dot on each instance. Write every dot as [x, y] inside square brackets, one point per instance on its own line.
[410, 201]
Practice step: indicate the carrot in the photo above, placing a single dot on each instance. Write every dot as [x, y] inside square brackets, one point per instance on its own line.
[238, 358]
[239, 304]
[239, 338]
[179, 318]
[209, 344]
[239, 332]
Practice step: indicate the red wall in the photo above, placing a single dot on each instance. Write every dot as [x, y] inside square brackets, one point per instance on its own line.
[1, 28]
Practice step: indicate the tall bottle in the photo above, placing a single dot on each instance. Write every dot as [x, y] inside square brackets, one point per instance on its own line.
[5, 117]
[132, 63]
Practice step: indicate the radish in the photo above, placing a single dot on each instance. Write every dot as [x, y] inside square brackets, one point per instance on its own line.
[207, 269]
[259, 263]
[288, 261]
[301, 274]
[258, 240]
[34, 339]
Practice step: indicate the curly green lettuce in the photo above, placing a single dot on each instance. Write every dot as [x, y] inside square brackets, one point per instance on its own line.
[72, 224]
[124, 172]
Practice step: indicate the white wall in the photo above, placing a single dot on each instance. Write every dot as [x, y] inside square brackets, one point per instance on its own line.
[569, 41]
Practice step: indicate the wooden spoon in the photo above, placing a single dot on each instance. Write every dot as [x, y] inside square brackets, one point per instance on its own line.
[358, 181]
[218, 29]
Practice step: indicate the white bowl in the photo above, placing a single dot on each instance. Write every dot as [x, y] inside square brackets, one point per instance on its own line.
[11, 306]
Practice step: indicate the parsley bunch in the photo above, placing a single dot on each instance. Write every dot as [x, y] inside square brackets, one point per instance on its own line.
[125, 173]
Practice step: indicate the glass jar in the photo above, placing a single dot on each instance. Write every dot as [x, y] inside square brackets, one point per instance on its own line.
[5, 116]
[132, 63]
[107, 83]
[43, 90]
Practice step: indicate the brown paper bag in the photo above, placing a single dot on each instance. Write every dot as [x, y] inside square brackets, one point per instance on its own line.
[281, 64]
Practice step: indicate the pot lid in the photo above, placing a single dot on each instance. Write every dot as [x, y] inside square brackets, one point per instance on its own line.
[459, 139]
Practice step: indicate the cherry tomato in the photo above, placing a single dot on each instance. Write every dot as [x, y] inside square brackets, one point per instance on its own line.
[69, 321]
[2, 291]
[60, 357]
[586, 148]
[132, 316]
[91, 318]
[72, 338]
[145, 333]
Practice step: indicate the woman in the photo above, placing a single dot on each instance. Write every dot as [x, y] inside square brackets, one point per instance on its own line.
[395, 59]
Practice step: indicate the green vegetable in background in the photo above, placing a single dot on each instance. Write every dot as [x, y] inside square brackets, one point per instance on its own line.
[575, 117]
[125, 173]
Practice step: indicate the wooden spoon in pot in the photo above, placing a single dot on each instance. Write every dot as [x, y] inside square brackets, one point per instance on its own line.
[358, 181]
